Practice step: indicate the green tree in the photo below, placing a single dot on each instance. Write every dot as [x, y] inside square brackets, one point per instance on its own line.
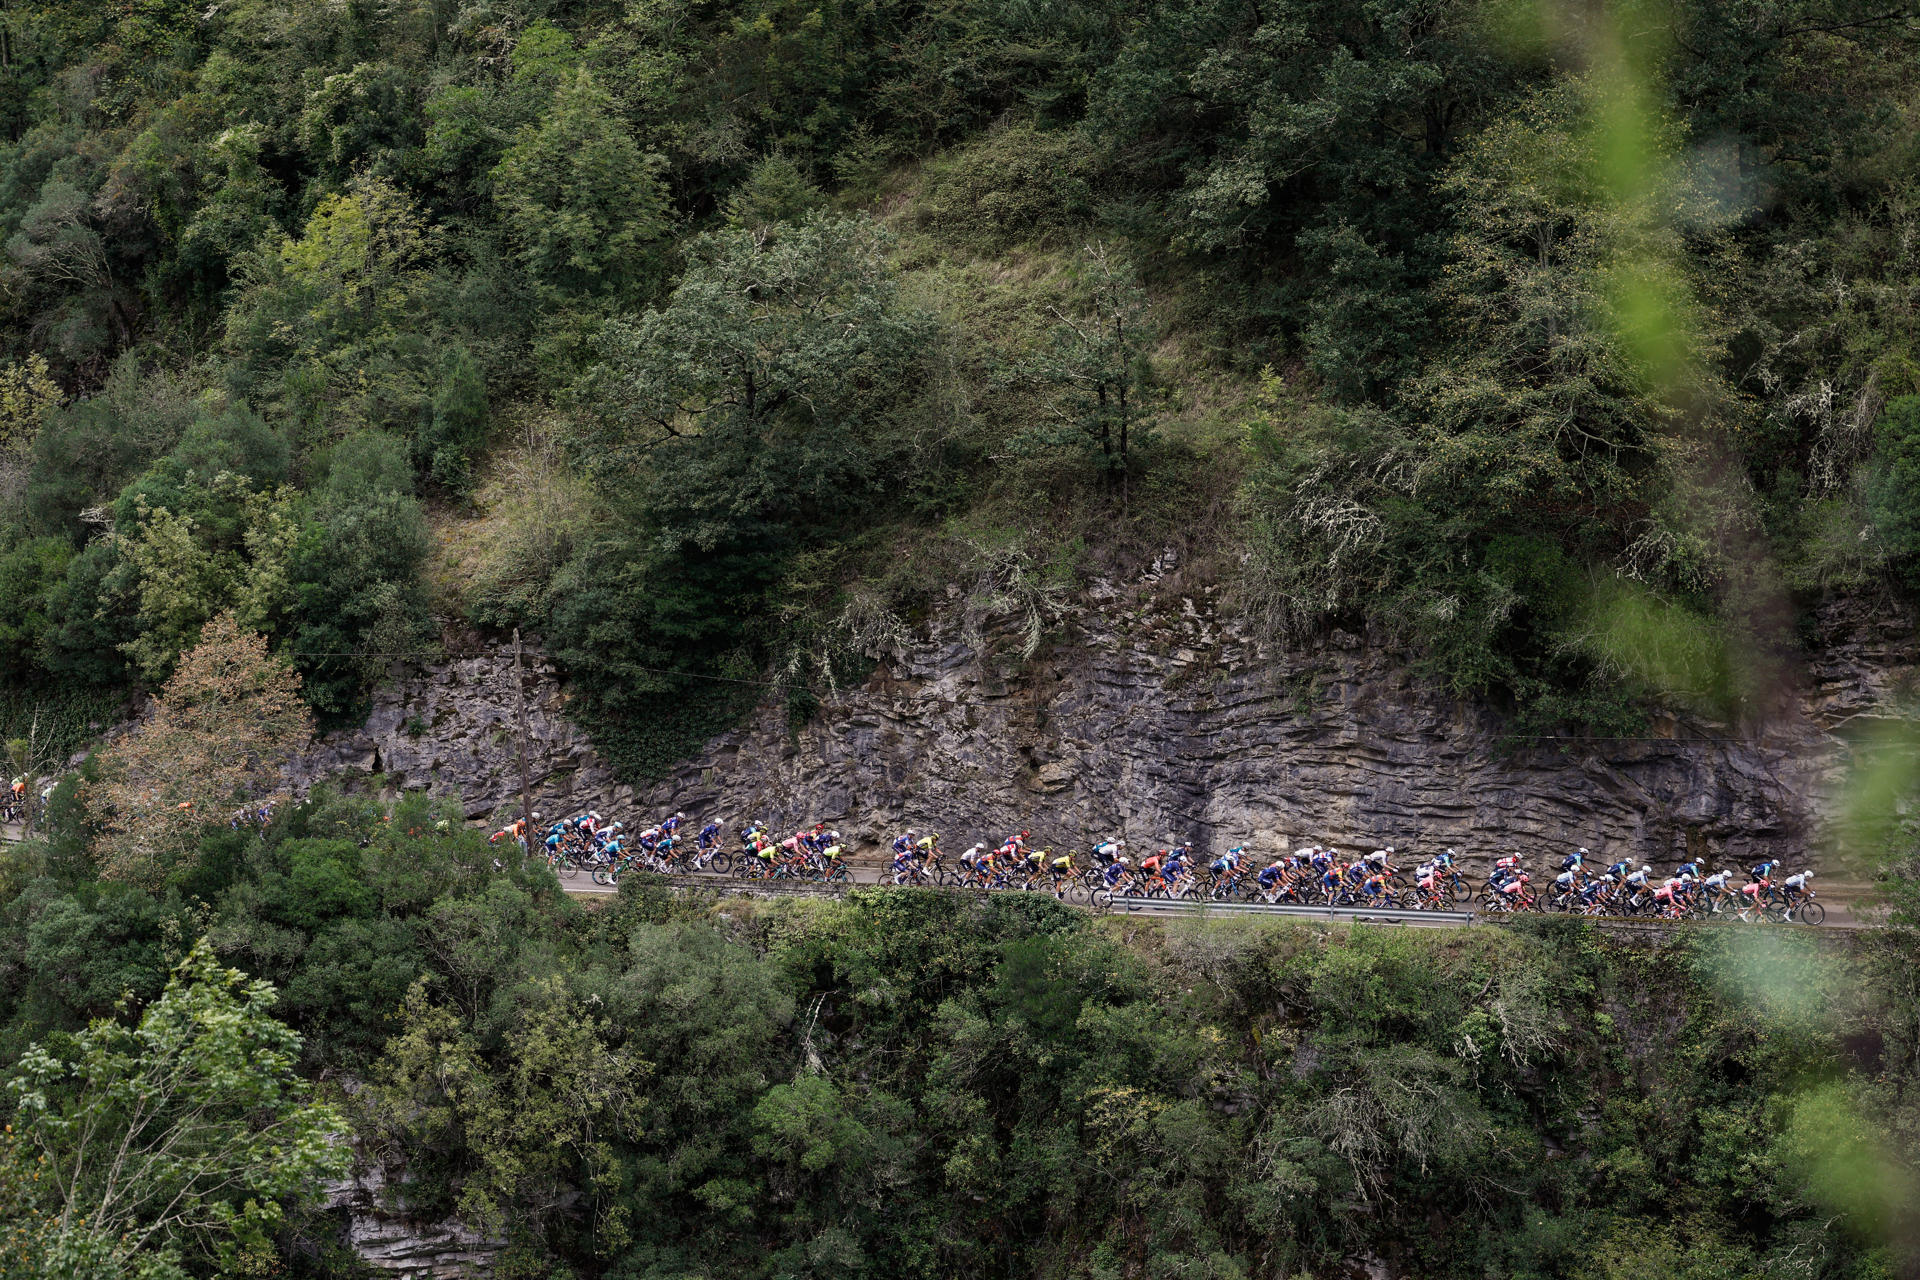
[355, 597]
[1100, 368]
[459, 427]
[776, 191]
[1893, 489]
[332, 326]
[761, 394]
[183, 1135]
[583, 203]
[749, 418]
[29, 572]
[522, 1132]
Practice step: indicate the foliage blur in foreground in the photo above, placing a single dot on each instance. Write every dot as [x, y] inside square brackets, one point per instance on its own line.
[916, 1084]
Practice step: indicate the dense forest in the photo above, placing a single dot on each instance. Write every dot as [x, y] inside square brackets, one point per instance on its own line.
[912, 1083]
[1575, 347]
[1571, 345]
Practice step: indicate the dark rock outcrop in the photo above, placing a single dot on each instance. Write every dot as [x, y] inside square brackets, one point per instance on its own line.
[1151, 715]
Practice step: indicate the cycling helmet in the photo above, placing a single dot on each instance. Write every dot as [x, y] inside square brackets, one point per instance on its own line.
[1645, 867]
[681, 816]
[536, 817]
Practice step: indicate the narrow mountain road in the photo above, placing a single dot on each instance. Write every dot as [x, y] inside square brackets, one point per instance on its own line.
[1839, 914]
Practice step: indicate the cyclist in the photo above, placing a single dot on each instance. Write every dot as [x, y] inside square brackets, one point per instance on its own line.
[710, 835]
[1271, 874]
[1107, 850]
[1150, 865]
[1330, 876]
[1566, 882]
[1513, 887]
[1062, 866]
[1690, 869]
[1575, 861]
[1714, 887]
[903, 846]
[1117, 868]
[1673, 892]
[1378, 859]
[671, 826]
[927, 847]
[1795, 887]
[1227, 862]
[1179, 863]
[1620, 869]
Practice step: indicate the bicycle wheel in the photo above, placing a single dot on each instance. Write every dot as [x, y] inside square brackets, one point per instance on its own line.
[1100, 899]
[1077, 894]
[1459, 890]
[602, 876]
[719, 863]
[1810, 913]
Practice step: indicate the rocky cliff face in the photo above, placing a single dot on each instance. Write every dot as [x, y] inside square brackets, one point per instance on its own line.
[1152, 716]
[391, 1245]
[449, 729]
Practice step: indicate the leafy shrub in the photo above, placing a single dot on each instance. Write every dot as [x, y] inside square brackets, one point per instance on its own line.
[1016, 185]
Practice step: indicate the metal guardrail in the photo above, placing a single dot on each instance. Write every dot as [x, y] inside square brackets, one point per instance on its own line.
[1361, 915]
[805, 888]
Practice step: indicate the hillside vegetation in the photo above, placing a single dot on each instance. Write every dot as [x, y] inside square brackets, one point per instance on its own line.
[1570, 346]
[1573, 347]
[910, 1083]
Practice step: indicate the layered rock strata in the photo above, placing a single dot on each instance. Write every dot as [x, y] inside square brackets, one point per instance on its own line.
[1150, 715]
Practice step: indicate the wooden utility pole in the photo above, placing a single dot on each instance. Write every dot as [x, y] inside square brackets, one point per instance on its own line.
[520, 711]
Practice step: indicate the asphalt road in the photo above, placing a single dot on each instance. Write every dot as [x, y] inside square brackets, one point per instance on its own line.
[1838, 914]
